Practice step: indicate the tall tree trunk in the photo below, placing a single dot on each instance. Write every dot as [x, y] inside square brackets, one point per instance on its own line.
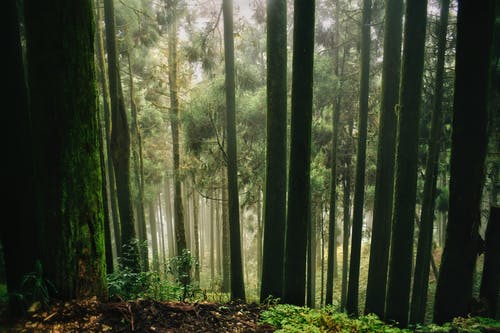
[180, 234]
[139, 173]
[333, 183]
[18, 234]
[65, 125]
[299, 203]
[223, 243]
[154, 237]
[347, 215]
[424, 248]
[171, 244]
[468, 151]
[259, 239]
[359, 186]
[237, 284]
[120, 146]
[162, 234]
[103, 140]
[311, 262]
[384, 183]
[490, 282]
[275, 196]
[405, 188]
[213, 230]
[197, 254]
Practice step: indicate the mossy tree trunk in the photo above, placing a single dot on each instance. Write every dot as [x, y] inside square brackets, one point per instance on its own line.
[468, 152]
[61, 74]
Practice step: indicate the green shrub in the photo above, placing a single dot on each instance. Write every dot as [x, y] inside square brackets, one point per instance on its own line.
[290, 318]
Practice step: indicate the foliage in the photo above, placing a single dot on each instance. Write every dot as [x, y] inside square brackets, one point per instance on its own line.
[180, 267]
[35, 288]
[127, 285]
[291, 318]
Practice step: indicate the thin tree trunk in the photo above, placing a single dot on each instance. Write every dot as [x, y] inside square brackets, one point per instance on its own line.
[103, 141]
[424, 248]
[347, 219]
[237, 284]
[311, 262]
[139, 173]
[154, 237]
[180, 234]
[162, 234]
[170, 223]
[359, 186]
[120, 145]
[196, 235]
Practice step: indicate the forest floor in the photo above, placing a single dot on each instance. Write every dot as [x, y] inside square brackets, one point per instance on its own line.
[142, 316]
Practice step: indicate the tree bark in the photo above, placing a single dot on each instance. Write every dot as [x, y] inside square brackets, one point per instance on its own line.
[120, 146]
[139, 174]
[384, 183]
[468, 151]
[154, 237]
[490, 283]
[18, 234]
[403, 218]
[180, 233]
[237, 284]
[359, 186]
[275, 195]
[424, 247]
[65, 125]
[299, 202]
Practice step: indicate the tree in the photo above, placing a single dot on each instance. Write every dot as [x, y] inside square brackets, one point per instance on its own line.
[109, 195]
[154, 237]
[237, 284]
[468, 151]
[403, 216]
[120, 145]
[490, 281]
[331, 264]
[139, 173]
[275, 195]
[382, 210]
[359, 187]
[299, 205]
[61, 76]
[424, 249]
[18, 234]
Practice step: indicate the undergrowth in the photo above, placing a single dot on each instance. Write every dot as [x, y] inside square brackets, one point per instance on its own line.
[294, 319]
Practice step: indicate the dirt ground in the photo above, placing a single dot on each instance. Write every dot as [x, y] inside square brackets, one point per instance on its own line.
[142, 316]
